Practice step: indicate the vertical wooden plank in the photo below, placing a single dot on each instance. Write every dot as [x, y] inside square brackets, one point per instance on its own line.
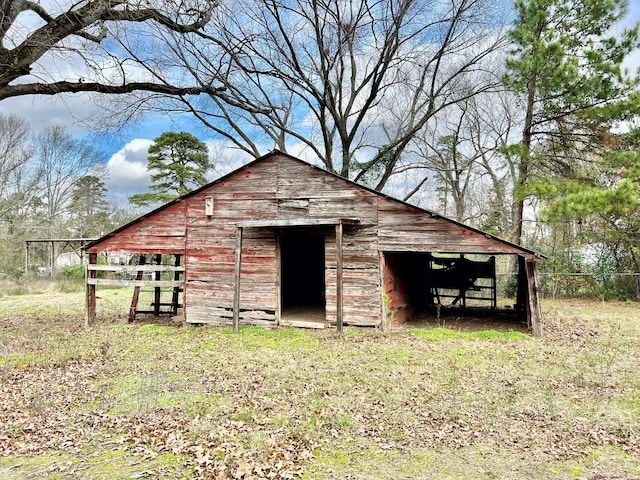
[52, 259]
[157, 292]
[494, 289]
[236, 281]
[136, 291]
[533, 302]
[278, 279]
[90, 316]
[339, 258]
[26, 260]
[176, 290]
[384, 298]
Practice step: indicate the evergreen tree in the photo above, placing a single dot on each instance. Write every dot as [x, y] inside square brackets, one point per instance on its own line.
[565, 65]
[178, 162]
[89, 208]
[604, 200]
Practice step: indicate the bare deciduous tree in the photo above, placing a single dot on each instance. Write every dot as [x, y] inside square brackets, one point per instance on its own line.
[59, 162]
[34, 34]
[352, 82]
[461, 155]
[14, 152]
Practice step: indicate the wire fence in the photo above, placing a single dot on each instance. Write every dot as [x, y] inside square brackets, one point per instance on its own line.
[609, 286]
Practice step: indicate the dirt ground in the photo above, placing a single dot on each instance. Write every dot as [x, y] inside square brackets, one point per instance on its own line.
[469, 320]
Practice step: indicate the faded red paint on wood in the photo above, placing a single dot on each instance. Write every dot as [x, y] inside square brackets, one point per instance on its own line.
[281, 188]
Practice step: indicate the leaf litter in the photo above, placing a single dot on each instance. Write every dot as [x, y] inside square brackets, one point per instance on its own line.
[204, 403]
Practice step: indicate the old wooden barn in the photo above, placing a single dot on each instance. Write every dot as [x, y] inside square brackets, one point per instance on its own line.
[280, 241]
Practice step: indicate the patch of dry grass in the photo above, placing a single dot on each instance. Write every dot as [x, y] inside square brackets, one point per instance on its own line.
[160, 401]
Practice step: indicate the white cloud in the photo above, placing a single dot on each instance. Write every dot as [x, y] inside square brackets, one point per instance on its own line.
[127, 169]
[68, 111]
[225, 158]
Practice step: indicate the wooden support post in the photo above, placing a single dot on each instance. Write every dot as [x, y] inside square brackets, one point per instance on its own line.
[339, 319]
[26, 260]
[157, 292]
[90, 293]
[384, 298]
[175, 298]
[136, 291]
[494, 289]
[236, 281]
[534, 316]
[52, 259]
[278, 279]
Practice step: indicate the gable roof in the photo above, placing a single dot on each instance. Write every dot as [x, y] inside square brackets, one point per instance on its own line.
[325, 172]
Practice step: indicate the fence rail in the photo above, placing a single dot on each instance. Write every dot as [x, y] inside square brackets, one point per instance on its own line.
[135, 275]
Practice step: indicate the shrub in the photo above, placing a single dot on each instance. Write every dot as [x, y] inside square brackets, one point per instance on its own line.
[73, 271]
[511, 287]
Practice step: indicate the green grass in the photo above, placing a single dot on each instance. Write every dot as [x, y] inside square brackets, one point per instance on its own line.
[123, 400]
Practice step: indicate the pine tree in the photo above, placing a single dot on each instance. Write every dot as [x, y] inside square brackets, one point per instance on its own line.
[178, 162]
[565, 66]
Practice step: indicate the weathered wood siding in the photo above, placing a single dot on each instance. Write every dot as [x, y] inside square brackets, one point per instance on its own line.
[361, 276]
[403, 228]
[162, 232]
[277, 189]
[248, 195]
[327, 197]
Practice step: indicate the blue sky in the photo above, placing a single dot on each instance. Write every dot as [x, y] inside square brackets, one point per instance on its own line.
[126, 151]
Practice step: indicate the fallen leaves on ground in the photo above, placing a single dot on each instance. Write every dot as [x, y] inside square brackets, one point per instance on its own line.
[204, 403]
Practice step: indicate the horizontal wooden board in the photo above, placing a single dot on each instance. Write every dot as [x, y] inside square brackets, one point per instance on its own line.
[362, 208]
[303, 324]
[200, 315]
[136, 283]
[135, 268]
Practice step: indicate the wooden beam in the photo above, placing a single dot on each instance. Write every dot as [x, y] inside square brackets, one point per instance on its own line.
[176, 290]
[279, 279]
[52, 260]
[90, 289]
[339, 258]
[297, 222]
[137, 268]
[236, 281]
[384, 299]
[136, 292]
[533, 303]
[157, 293]
[135, 283]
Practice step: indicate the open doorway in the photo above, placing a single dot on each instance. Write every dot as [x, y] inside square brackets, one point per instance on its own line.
[302, 276]
[452, 290]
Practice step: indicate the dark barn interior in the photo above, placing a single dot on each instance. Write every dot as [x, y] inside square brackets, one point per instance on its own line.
[302, 270]
[433, 286]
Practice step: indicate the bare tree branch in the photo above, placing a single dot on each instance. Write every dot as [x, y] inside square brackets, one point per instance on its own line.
[353, 82]
[76, 87]
[85, 21]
